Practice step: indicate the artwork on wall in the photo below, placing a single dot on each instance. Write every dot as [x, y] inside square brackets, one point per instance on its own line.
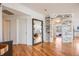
[37, 31]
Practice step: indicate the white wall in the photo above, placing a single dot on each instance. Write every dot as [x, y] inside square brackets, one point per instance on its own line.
[13, 29]
[1, 24]
[21, 29]
[29, 30]
[18, 29]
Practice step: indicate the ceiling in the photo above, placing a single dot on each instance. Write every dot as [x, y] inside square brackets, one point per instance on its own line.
[8, 12]
[53, 7]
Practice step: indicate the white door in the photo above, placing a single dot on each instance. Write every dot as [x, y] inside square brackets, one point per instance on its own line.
[22, 31]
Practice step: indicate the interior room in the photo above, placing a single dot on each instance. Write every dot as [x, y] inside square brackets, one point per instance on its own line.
[39, 29]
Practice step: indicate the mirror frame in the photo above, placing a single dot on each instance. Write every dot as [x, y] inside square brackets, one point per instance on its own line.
[33, 31]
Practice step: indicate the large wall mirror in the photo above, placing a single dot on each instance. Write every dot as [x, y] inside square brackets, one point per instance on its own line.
[37, 31]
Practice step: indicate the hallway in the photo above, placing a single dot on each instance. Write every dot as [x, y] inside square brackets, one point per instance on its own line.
[48, 49]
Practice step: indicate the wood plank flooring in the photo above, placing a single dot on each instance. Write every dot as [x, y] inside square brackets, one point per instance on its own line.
[48, 49]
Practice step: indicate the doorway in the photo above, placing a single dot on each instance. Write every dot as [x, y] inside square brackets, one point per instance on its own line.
[6, 28]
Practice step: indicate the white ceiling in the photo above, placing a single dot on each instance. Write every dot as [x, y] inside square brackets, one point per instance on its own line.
[13, 11]
[53, 7]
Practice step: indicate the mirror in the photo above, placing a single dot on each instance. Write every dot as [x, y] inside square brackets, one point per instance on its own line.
[37, 31]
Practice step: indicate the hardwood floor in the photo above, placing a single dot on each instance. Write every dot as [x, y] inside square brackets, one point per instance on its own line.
[48, 49]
